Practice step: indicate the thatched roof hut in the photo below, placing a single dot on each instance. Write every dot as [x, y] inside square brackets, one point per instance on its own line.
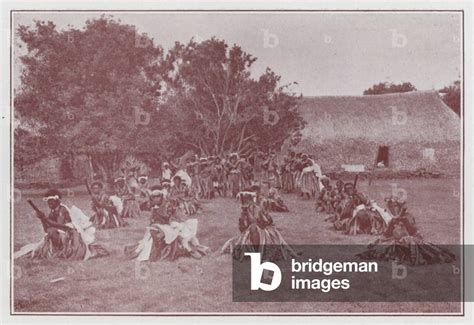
[417, 128]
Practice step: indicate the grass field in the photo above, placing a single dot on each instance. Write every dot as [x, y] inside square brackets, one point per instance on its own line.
[115, 284]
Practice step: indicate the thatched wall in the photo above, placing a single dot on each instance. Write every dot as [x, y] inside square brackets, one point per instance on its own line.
[418, 128]
[403, 156]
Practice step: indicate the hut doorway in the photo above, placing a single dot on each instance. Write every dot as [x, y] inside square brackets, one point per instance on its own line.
[382, 157]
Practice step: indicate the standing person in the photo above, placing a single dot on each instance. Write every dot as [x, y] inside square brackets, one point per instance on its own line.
[233, 171]
[143, 193]
[246, 172]
[258, 170]
[297, 170]
[166, 172]
[105, 215]
[68, 233]
[205, 178]
[192, 168]
[273, 175]
[265, 167]
[218, 178]
[287, 176]
[309, 177]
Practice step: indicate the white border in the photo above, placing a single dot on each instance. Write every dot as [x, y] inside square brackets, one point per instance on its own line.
[223, 5]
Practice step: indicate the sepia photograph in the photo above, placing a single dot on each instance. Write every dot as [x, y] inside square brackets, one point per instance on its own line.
[237, 162]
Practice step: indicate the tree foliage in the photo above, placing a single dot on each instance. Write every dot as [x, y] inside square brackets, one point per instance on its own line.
[81, 90]
[388, 88]
[108, 91]
[451, 96]
[215, 104]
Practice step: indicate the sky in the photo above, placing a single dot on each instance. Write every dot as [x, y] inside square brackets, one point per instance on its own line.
[325, 53]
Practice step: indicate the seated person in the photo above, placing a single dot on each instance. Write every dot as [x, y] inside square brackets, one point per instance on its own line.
[402, 241]
[131, 208]
[144, 192]
[68, 233]
[257, 232]
[275, 202]
[168, 237]
[105, 215]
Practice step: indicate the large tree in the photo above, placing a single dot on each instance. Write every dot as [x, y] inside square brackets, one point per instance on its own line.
[216, 106]
[93, 90]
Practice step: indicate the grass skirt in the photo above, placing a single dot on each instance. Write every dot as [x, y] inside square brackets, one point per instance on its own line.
[412, 250]
[168, 242]
[131, 209]
[268, 241]
[78, 243]
[107, 219]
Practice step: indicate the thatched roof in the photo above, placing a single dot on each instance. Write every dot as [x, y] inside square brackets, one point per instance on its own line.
[419, 116]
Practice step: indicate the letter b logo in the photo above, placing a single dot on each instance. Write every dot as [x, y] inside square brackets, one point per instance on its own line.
[256, 272]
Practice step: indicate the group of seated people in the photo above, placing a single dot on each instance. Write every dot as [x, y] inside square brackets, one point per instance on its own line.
[300, 174]
[399, 239]
[69, 233]
[350, 210]
[131, 198]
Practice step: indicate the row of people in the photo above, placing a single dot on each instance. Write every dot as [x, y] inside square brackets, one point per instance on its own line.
[129, 201]
[69, 233]
[222, 176]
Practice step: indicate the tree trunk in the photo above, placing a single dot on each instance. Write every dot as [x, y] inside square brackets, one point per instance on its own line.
[73, 164]
[103, 165]
[91, 166]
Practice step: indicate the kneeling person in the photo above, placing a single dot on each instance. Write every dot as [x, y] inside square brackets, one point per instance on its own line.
[105, 214]
[168, 237]
[68, 233]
